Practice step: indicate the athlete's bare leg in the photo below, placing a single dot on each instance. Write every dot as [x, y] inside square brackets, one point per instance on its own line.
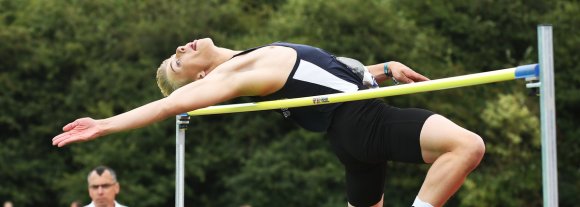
[454, 152]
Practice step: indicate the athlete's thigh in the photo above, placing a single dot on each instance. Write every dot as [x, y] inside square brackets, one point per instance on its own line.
[440, 135]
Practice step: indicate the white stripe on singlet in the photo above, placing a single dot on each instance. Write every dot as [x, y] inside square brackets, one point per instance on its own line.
[311, 73]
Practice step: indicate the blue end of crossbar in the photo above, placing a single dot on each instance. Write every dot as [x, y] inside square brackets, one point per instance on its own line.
[527, 71]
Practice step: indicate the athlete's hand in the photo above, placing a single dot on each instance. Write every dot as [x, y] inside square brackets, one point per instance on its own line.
[404, 74]
[81, 130]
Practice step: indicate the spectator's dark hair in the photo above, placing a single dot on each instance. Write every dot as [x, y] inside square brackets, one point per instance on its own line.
[101, 169]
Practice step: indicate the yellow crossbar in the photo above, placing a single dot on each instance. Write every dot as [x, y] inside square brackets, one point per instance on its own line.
[432, 85]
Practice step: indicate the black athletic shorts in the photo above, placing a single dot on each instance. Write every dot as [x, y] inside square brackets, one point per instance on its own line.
[366, 134]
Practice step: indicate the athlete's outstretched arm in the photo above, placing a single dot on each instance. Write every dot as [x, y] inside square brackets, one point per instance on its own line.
[196, 95]
[85, 129]
[399, 71]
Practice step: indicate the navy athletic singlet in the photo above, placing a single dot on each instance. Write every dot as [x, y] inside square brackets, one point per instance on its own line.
[316, 72]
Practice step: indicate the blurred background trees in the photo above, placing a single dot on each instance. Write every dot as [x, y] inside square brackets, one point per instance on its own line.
[60, 60]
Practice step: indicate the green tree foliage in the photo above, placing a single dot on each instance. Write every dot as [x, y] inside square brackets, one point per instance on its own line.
[60, 60]
[513, 145]
[273, 176]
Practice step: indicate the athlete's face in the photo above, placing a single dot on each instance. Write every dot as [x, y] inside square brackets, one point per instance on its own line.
[191, 60]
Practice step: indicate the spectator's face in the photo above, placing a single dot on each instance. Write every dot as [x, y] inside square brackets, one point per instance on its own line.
[103, 188]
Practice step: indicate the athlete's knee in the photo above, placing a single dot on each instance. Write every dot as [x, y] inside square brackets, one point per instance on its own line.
[472, 149]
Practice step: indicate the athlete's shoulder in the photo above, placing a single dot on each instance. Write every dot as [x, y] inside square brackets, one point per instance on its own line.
[273, 53]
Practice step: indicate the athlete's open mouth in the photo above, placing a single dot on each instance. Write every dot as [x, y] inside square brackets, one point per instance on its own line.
[193, 45]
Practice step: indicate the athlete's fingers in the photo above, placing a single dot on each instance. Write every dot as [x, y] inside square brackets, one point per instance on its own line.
[403, 79]
[65, 142]
[416, 76]
[70, 126]
[60, 138]
[57, 137]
